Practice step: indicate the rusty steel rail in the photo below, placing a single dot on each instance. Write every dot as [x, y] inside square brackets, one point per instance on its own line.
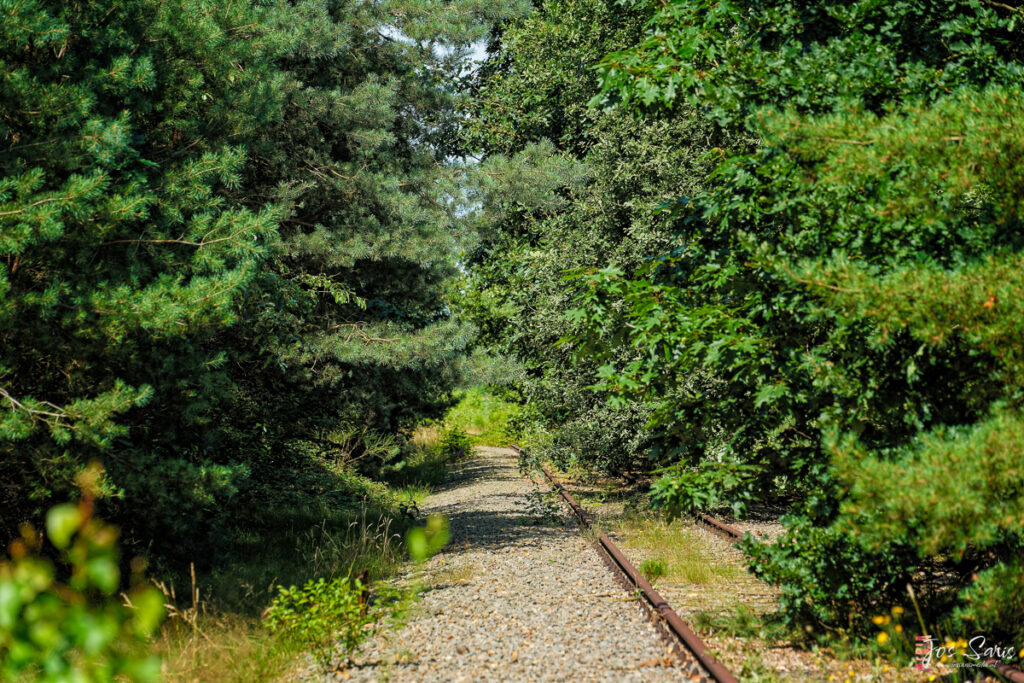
[676, 625]
[658, 604]
[723, 529]
[719, 527]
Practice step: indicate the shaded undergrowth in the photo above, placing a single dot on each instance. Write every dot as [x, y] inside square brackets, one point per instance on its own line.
[336, 524]
[328, 520]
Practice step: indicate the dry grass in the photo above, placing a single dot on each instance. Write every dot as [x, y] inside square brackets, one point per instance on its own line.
[452, 576]
[218, 640]
[686, 559]
[426, 436]
[227, 648]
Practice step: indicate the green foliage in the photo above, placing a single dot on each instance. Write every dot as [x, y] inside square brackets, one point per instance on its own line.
[685, 490]
[228, 235]
[455, 443]
[848, 276]
[426, 541]
[78, 630]
[535, 88]
[331, 616]
[736, 56]
[815, 302]
[652, 569]
[484, 415]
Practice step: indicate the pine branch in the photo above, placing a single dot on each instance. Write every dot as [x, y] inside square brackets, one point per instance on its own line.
[41, 202]
[15, 404]
[189, 243]
[362, 335]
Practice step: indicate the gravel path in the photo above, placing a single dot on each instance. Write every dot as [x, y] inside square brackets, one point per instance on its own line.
[518, 595]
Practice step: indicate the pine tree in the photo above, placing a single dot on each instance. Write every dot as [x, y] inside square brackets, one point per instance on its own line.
[227, 231]
[122, 256]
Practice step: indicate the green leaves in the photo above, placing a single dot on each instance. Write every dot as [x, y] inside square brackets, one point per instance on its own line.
[809, 56]
[425, 542]
[63, 522]
[334, 616]
[769, 393]
[79, 631]
[682, 491]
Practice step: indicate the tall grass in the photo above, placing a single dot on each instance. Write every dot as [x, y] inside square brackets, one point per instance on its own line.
[678, 555]
[215, 632]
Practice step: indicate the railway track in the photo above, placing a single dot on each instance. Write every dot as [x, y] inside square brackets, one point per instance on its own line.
[722, 529]
[687, 644]
[683, 636]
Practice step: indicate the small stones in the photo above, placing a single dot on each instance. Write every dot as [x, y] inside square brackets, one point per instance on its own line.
[537, 605]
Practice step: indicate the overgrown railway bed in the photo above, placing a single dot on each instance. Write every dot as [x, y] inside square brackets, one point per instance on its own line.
[687, 644]
[726, 531]
[516, 595]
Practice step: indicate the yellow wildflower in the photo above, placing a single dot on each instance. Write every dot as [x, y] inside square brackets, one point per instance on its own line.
[882, 637]
[878, 621]
[897, 610]
[898, 628]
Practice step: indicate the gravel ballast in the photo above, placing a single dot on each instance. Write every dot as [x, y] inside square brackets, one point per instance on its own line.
[519, 594]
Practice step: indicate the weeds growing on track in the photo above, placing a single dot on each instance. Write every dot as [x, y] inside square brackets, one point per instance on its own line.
[452, 576]
[673, 548]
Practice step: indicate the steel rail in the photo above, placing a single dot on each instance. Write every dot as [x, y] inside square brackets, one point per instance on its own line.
[675, 625]
[681, 630]
[1005, 670]
[719, 527]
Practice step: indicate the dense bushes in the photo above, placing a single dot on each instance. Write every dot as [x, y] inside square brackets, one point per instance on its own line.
[826, 314]
[622, 171]
[227, 236]
[866, 225]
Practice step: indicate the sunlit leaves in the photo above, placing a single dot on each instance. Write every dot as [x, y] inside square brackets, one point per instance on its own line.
[79, 631]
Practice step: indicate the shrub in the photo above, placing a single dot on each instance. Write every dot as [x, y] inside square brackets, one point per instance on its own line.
[331, 615]
[455, 443]
[652, 569]
[54, 631]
